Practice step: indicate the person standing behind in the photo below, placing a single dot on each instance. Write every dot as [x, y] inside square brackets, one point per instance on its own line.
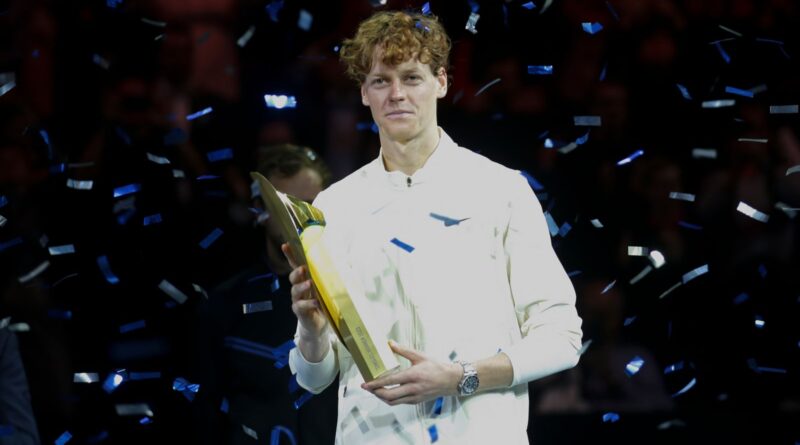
[453, 255]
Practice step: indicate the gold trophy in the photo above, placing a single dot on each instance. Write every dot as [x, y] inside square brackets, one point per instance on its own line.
[301, 225]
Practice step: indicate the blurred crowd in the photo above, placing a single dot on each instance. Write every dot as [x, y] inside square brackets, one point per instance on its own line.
[168, 96]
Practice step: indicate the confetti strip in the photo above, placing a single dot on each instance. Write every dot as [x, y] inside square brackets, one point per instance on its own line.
[657, 258]
[471, 22]
[155, 23]
[641, 274]
[85, 377]
[630, 158]
[540, 70]
[63, 438]
[612, 11]
[302, 400]
[61, 250]
[7, 83]
[608, 287]
[278, 430]
[79, 185]
[688, 386]
[105, 267]
[304, 20]
[219, 155]
[188, 389]
[684, 91]
[210, 238]
[426, 8]
[273, 8]
[628, 321]
[144, 375]
[668, 291]
[784, 109]
[280, 101]
[34, 273]
[692, 274]
[113, 380]
[433, 433]
[752, 213]
[261, 306]
[151, 219]
[201, 113]
[794, 169]
[673, 367]
[596, 223]
[552, 226]
[591, 28]
[133, 409]
[633, 367]
[446, 220]
[98, 60]
[408, 248]
[485, 87]
[738, 91]
[708, 153]
[741, 298]
[725, 28]
[720, 103]
[755, 140]
[610, 417]
[722, 52]
[587, 121]
[585, 347]
[127, 190]
[759, 322]
[688, 197]
[175, 293]
[528, 5]
[638, 251]
[242, 41]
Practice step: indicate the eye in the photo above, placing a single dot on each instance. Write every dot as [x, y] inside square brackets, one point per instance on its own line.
[378, 81]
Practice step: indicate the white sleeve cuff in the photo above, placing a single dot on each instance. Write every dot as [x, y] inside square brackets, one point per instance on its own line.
[313, 377]
[539, 355]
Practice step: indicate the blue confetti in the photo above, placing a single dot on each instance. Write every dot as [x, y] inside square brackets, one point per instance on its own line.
[610, 417]
[293, 385]
[630, 158]
[447, 221]
[684, 91]
[188, 389]
[529, 6]
[437, 406]
[741, 298]
[564, 229]
[689, 226]
[132, 326]
[692, 274]
[602, 76]
[3, 201]
[102, 262]
[280, 101]
[224, 406]
[628, 321]
[688, 386]
[574, 273]
[127, 190]
[722, 52]
[100, 61]
[582, 140]
[473, 6]
[113, 3]
[591, 28]
[552, 226]
[738, 91]
[200, 113]
[587, 121]
[535, 185]
[540, 70]
[210, 238]
[275, 435]
[207, 177]
[304, 20]
[219, 155]
[673, 367]
[634, 366]
[612, 11]
[63, 438]
[762, 270]
[151, 219]
[273, 8]
[61, 250]
[261, 306]
[46, 139]
[10, 243]
[408, 248]
[303, 399]
[426, 8]
[123, 135]
[434, 433]
[99, 437]
[144, 375]
[114, 379]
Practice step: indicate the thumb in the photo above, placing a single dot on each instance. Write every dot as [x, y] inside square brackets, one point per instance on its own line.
[411, 354]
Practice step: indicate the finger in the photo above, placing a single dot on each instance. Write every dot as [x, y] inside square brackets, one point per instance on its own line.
[288, 253]
[300, 292]
[297, 275]
[397, 378]
[411, 354]
[305, 306]
[392, 395]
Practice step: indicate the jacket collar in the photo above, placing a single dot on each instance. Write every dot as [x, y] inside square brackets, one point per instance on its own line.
[437, 166]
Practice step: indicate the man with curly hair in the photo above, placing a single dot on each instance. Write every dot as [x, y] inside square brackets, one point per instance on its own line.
[452, 253]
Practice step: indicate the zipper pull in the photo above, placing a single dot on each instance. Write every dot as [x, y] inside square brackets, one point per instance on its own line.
[408, 181]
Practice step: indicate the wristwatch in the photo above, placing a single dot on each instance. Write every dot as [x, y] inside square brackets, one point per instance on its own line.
[469, 381]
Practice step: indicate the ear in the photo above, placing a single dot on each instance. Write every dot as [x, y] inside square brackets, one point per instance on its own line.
[441, 79]
[364, 100]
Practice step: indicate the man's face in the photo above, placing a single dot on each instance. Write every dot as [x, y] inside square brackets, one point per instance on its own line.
[305, 184]
[402, 98]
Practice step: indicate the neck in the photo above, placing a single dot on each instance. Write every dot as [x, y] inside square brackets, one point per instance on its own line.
[409, 156]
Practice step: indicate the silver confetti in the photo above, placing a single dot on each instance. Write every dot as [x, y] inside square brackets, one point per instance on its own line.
[752, 213]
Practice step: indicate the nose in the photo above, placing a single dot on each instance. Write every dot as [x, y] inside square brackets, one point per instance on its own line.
[397, 92]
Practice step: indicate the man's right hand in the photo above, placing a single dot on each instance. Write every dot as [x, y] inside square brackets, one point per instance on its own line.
[305, 304]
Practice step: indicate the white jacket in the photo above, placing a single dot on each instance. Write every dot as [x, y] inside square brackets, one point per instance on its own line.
[482, 277]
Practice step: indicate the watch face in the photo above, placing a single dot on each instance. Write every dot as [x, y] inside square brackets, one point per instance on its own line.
[470, 384]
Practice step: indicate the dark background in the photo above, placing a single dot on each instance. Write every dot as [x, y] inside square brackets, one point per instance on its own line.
[99, 85]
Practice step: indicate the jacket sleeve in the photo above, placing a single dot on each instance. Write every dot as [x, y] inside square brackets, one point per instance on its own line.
[315, 377]
[543, 295]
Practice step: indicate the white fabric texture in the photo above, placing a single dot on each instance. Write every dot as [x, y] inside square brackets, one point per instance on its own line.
[482, 277]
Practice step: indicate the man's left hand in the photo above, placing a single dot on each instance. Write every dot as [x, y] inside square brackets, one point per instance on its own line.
[425, 380]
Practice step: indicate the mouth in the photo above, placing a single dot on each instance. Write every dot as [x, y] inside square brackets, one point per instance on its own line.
[396, 114]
